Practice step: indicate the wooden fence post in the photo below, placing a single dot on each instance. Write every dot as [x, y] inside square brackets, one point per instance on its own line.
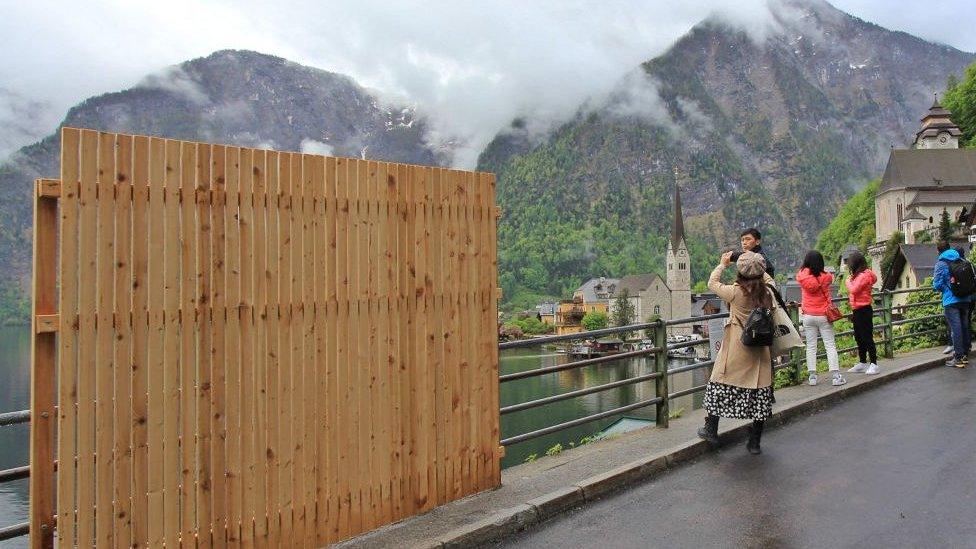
[661, 366]
[43, 352]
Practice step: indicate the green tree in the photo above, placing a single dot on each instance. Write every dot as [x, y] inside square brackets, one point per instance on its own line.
[623, 311]
[945, 227]
[595, 320]
[854, 224]
[891, 250]
[960, 99]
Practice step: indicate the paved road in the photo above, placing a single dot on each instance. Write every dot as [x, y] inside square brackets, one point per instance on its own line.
[893, 467]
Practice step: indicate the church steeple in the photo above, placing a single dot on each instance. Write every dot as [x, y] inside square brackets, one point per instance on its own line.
[938, 130]
[678, 223]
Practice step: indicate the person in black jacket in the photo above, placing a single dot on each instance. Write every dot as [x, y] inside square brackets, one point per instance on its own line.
[751, 241]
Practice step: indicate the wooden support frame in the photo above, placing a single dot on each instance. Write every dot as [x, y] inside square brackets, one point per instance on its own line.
[43, 362]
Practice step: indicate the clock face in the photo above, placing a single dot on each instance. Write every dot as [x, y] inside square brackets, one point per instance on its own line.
[943, 138]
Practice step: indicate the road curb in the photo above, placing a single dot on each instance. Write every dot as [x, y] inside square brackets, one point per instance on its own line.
[545, 507]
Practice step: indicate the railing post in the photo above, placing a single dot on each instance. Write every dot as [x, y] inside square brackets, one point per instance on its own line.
[796, 354]
[886, 331]
[661, 366]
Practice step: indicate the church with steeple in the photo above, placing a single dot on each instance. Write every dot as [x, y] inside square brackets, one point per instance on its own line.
[920, 183]
[669, 297]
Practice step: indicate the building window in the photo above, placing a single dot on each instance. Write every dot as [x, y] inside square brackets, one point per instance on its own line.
[657, 309]
[681, 266]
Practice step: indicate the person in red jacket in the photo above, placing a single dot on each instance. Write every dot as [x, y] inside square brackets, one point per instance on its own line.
[815, 290]
[859, 283]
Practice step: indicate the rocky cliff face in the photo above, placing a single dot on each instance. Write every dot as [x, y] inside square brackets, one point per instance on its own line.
[235, 97]
[774, 131]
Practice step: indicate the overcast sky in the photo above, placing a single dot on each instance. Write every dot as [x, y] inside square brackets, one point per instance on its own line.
[471, 65]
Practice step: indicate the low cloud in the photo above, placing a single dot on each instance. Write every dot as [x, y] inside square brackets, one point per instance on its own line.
[311, 146]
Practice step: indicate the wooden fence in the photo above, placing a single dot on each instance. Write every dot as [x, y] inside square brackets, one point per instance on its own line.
[257, 347]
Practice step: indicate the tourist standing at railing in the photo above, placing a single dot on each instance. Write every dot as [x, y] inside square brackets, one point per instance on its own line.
[955, 307]
[740, 386]
[751, 241]
[859, 283]
[815, 291]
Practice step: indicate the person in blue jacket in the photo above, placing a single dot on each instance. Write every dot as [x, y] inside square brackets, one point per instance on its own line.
[956, 308]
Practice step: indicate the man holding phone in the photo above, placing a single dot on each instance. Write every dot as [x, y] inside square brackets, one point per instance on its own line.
[751, 241]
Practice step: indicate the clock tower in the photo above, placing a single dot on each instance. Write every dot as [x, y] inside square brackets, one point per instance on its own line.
[938, 130]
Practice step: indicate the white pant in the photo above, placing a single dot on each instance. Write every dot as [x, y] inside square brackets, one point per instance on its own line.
[818, 325]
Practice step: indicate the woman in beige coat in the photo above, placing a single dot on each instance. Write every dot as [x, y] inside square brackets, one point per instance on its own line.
[741, 382]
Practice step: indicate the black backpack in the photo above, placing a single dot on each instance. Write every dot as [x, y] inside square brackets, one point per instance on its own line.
[759, 328]
[962, 278]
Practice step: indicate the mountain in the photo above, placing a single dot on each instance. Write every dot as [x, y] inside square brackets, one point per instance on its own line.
[235, 97]
[773, 131]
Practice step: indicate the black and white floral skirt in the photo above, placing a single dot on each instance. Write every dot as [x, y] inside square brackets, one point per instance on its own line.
[738, 402]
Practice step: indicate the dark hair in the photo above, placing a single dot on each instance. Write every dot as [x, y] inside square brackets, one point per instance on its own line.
[942, 246]
[751, 231]
[813, 261]
[856, 263]
[756, 291]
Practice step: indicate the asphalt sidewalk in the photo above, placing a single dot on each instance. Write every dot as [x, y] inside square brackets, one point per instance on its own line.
[534, 492]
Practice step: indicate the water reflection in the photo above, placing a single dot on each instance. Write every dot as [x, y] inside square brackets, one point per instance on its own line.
[514, 392]
[14, 446]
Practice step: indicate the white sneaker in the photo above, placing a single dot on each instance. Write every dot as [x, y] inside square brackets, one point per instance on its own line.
[858, 368]
[838, 380]
[813, 379]
[948, 350]
[872, 369]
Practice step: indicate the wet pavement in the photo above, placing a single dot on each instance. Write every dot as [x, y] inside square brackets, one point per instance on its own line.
[892, 467]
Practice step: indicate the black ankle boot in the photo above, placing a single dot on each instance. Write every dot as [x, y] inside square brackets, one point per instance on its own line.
[755, 434]
[710, 431]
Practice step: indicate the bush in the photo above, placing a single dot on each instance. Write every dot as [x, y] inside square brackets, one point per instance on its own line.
[595, 320]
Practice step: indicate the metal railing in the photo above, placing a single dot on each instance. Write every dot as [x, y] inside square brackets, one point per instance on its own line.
[660, 374]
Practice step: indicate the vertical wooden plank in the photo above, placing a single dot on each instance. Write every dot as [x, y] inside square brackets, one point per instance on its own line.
[246, 311]
[155, 357]
[419, 339]
[370, 334]
[232, 277]
[259, 382]
[384, 262]
[140, 336]
[332, 428]
[455, 364]
[483, 331]
[494, 401]
[189, 329]
[204, 345]
[442, 403]
[318, 430]
[297, 342]
[343, 366]
[43, 355]
[308, 279]
[68, 337]
[467, 364]
[406, 347]
[359, 248]
[273, 374]
[219, 353]
[284, 347]
[123, 373]
[104, 335]
[429, 386]
[171, 346]
[394, 348]
[472, 311]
